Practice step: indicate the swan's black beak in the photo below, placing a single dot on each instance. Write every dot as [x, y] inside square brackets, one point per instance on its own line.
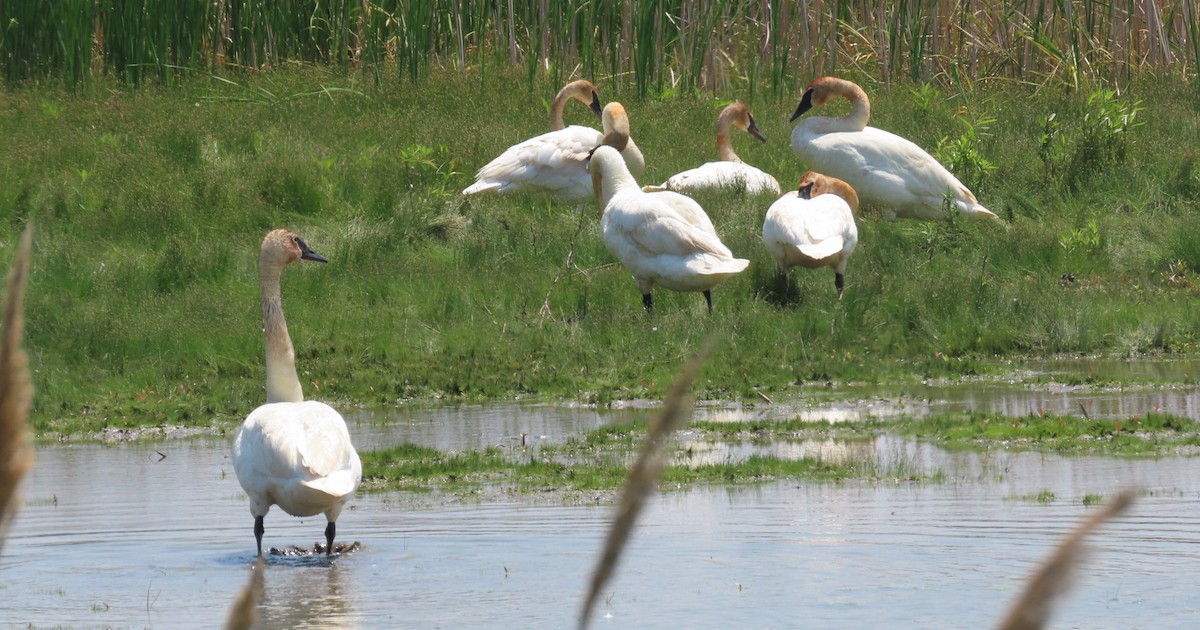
[308, 254]
[805, 105]
[805, 191]
[753, 129]
[599, 111]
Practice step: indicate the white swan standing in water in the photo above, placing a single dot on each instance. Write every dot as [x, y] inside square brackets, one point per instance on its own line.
[290, 452]
[886, 170]
[813, 226]
[730, 171]
[556, 162]
[650, 236]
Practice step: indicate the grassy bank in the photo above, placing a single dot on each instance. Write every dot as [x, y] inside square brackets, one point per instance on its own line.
[150, 205]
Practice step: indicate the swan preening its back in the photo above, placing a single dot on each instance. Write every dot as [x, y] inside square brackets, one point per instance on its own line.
[886, 170]
[556, 162]
[290, 452]
[662, 238]
[730, 172]
[813, 226]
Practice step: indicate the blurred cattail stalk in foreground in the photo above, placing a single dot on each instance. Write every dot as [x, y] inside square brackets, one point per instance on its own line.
[16, 391]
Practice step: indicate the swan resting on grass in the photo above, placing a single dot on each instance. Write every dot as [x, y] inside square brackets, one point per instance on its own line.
[886, 170]
[290, 452]
[662, 238]
[730, 172]
[813, 226]
[556, 162]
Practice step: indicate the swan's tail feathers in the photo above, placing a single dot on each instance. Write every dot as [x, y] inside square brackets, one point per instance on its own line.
[16, 391]
[979, 212]
[652, 188]
[337, 485]
[824, 249]
[714, 266]
[482, 186]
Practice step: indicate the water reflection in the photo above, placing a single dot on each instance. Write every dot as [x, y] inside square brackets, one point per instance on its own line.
[312, 596]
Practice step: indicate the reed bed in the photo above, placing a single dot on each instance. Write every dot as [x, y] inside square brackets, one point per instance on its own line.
[655, 46]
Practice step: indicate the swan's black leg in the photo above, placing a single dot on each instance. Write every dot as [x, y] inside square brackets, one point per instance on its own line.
[839, 281]
[329, 531]
[647, 301]
[258, 533]
[708, 298]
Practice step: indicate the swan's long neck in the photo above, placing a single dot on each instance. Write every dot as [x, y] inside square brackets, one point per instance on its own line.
[282, 383]
[612, 179]
[724, 146]
[556, 110]
[860, 105]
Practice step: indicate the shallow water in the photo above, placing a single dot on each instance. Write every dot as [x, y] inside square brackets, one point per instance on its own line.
[119, 536]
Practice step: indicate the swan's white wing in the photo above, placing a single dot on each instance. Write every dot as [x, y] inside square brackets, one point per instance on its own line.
[654, 228]
[285, 451]
[724, 175]
[884, 169]
[554, 161]
[819, 227]
[687, 209]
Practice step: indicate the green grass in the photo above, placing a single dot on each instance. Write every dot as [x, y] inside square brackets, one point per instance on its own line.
[150, 205]
[1150, 435]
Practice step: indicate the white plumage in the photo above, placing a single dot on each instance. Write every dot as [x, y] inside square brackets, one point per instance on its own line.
[730, 172]
[556, 162]
[813, 226]
[289, 452]
[663, 239]
[886, 170]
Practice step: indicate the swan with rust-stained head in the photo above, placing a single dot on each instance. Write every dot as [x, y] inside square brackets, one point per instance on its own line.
[730, 172]
[657, 243]
[886, 170]
[290, 452]
[583, 91]
[556, 162]
[813, 226]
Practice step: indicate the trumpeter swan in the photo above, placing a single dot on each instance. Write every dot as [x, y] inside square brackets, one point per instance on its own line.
[556, 162]
[290, 452]
[885, 169]
[730, 171]
[655, 241]
[813, 226]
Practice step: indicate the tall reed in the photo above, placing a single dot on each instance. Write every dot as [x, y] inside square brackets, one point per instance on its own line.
[651, 45]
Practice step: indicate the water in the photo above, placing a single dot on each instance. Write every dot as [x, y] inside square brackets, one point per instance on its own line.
[159, 536]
